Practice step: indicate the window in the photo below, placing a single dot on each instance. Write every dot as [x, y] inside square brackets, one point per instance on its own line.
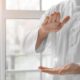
[19, 17]
[46, 4]
[23, 4]
[32, 4]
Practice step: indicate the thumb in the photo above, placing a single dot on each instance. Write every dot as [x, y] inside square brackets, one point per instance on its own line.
[66, 19]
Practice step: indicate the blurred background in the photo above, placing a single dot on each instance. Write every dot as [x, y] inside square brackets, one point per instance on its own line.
[23, 16]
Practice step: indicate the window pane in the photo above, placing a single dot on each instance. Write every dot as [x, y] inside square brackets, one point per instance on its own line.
[16, 30]
[15, 34]
[23, 4]
[26, 62]
[23, 76]
[46, 4]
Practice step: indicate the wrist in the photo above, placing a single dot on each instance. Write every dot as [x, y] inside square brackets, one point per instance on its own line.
[43, 32]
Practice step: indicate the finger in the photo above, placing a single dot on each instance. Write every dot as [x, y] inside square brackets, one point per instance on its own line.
[58, 17]
[46, 20]
[41, 67]
[60, 25]
[51, 17]
[66, 19]
[54, 17]
[50, 70]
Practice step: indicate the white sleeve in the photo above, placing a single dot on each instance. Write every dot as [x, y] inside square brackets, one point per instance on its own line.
[31, 38]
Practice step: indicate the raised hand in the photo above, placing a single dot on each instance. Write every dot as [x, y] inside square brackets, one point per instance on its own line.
[53, 23]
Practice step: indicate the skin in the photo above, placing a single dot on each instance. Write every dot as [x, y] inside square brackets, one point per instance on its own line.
[53, 23]
[64, 70]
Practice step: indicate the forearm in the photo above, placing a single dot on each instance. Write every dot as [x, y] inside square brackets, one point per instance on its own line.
[42, 34]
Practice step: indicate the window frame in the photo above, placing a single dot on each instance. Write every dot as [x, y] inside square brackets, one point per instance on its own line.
[13, 14]
[2, 40]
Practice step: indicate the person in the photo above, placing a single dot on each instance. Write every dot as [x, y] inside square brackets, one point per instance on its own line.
[59, 32]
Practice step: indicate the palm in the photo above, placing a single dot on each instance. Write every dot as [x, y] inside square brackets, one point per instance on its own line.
[66, 69]
[52, 23]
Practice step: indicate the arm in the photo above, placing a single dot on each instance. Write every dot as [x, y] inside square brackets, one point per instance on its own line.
[66, 69]
[52, 23]
[41, 36]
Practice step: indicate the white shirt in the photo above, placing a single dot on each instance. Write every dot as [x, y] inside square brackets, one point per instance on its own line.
[64, 46]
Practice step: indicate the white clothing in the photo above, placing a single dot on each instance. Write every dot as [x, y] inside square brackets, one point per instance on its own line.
[63, 45]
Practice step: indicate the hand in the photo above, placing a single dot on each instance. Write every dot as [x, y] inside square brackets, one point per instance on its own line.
[52, 23]
[67, 69]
